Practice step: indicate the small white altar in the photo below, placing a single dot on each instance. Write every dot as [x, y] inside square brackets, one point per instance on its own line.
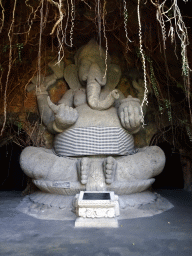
[97, 209]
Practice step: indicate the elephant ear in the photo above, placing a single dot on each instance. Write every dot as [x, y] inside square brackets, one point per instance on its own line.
[113, 76]
[71, 76]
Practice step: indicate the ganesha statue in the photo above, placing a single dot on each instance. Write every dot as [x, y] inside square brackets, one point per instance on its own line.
[94, 126]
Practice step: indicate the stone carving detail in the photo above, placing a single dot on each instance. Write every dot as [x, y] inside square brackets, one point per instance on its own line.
[96, 213]
[93, 124]
[97, 208]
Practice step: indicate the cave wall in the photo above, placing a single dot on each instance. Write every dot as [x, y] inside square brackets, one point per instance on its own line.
[22, 121]
[38, 135]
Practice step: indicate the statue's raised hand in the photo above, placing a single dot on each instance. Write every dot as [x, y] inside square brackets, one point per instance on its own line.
[65, 116]
[130, 114]
[41, 90]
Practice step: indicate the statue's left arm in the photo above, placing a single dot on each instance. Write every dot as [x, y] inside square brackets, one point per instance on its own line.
[129, 112]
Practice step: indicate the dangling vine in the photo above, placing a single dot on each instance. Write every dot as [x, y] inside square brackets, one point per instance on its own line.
[145, 101]
[125, 13]
[98, 12]
[181, 31]
[104, 32]
[3, 16]
[10, 65]
[39, 52]
[69, 24]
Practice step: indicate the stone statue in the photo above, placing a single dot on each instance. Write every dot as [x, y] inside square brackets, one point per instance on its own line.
[93, 125]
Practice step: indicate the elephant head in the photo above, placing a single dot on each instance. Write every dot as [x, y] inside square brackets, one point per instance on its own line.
[89, 70]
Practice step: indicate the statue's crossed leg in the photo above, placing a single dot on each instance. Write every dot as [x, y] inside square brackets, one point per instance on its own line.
[94, 173]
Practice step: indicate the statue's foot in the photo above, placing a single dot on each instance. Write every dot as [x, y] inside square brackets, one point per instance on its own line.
[110, 166]
[84, 170]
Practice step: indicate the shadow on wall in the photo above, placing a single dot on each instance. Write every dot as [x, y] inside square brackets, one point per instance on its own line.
[172, 175]
[11, 175]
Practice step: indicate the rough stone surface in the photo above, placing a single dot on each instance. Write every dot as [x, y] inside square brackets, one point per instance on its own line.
[58, 207]
[96, 223]
[187, 173]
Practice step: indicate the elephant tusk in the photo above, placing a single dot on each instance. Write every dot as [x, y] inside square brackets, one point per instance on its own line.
[52, 105]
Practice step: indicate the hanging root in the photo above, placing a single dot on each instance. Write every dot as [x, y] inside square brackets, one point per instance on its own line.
[10, 65]
[59, 6]
[3, 16]
[181, 31]
[145, 101]
[86, 3]
[106, 43]
[125, 24]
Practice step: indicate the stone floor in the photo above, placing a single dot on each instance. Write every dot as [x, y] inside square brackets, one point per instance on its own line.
[168, 233]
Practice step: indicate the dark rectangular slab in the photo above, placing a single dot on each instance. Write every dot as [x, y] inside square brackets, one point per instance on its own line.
[96, 196]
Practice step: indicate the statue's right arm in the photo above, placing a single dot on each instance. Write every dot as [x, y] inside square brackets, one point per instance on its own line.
[46, 112]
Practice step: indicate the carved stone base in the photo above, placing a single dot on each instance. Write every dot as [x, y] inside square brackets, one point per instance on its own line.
[96, 223]
[97, 204]
[61, 207]
[93, 206]
[68, 188]
[48, 206]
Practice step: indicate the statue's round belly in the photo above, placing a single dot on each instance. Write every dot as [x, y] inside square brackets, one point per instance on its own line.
[85, 141]
[94, 133]
[90, 117]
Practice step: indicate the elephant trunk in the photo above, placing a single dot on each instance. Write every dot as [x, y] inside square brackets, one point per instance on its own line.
[94, 82]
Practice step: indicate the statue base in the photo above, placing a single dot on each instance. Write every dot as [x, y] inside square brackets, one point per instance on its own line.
[67, 188]
[61, 207]
[96, 223]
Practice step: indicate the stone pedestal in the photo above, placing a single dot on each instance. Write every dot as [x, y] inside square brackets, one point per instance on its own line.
[61, 207]
[96, 223]
[96, 209]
